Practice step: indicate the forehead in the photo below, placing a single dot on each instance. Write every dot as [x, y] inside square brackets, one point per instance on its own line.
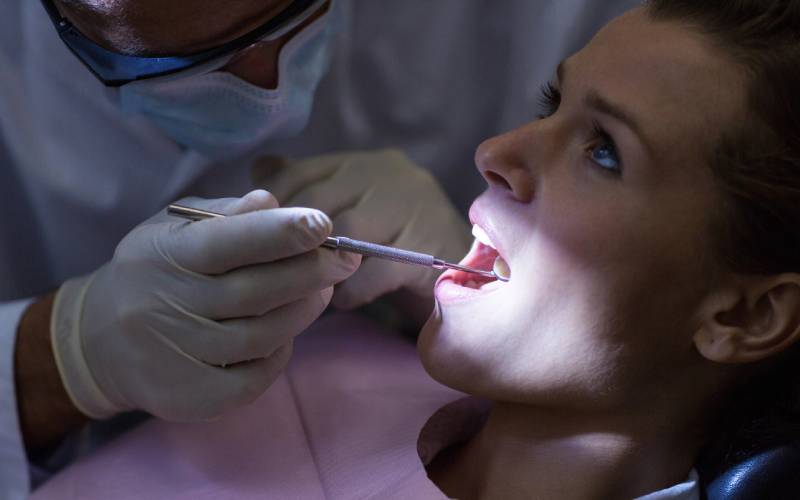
[681, 88]
[169, 26]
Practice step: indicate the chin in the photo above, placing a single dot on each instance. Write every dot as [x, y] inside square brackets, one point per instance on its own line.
[427, 340]
[449, 361]
[474, 360]
[433, 351]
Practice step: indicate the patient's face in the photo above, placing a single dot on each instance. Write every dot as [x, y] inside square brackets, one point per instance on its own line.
[602, 211]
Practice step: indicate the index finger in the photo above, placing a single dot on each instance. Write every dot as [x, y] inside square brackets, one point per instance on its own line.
[216, 246]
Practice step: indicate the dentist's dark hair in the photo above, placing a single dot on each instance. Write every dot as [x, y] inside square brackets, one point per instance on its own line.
[756, 165]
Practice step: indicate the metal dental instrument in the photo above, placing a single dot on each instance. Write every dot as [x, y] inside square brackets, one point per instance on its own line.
[355, 246]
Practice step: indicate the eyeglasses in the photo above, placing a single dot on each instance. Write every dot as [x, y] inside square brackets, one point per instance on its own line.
[115, 69]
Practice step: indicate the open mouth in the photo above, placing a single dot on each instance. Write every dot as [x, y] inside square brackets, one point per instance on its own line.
[483, 256]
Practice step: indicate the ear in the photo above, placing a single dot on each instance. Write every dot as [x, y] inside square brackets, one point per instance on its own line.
[749, 322]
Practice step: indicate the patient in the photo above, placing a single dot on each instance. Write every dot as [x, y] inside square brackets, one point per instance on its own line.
[651, 223]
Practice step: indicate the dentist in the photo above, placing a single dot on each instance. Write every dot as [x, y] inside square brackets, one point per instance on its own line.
[110, 110]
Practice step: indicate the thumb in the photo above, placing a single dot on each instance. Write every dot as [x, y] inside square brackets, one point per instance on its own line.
[252, 201]
[255, 200]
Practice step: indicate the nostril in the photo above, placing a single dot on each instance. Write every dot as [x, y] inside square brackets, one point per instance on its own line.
[495, 178]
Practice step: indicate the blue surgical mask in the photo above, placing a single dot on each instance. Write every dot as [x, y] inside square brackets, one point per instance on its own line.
[222, 116]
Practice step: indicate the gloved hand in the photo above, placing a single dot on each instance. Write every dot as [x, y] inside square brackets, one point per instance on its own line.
[190, 319]
[381, 197]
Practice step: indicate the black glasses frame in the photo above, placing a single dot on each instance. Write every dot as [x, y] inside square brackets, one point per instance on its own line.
[115, 69]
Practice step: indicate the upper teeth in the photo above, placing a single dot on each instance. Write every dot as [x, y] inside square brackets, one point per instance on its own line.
[481, 236]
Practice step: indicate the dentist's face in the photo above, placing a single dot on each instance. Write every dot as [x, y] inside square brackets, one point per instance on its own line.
[185, 27]
[602, 210]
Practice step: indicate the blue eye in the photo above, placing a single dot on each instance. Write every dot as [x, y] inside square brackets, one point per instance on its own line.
[604, 153]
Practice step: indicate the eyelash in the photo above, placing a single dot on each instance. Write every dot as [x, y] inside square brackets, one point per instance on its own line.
[550, 100]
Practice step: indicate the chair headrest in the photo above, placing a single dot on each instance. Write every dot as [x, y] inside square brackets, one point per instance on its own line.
[773, 474]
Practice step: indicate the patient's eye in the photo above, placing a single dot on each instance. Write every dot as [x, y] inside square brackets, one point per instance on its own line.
[550, 100]
[606, 156]
[603, 152]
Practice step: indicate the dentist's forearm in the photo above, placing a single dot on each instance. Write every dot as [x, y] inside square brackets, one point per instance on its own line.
[45, 410]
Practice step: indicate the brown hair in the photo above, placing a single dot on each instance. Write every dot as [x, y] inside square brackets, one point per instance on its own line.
[757, 167]
[757, 164]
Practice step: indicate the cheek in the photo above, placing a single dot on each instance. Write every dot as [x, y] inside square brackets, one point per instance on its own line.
[540, 332]
[257, 65]
[541, 348]
[640, 278]
[594, 309]
[590, 227]
[623, 244]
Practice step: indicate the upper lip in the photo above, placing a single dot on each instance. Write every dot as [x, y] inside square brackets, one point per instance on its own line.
[478, 216]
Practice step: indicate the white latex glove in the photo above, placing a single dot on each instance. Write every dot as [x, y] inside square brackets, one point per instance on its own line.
[191, 319]
[381, 197]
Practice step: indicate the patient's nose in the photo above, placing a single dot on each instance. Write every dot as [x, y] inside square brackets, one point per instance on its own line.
[500, 161]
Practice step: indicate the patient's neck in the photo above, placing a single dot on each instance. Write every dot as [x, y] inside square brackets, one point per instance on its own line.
[528, 452]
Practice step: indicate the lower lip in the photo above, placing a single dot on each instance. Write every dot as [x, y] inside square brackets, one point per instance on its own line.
[448, 292]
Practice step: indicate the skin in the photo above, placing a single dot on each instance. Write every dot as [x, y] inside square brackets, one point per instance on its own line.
[612, 397]
[162, 27]
[619, 332]
[151, 26]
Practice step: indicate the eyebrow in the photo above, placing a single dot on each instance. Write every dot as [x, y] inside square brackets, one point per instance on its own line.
[600, 104]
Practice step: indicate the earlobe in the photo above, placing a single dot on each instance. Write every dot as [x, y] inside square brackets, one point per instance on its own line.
[716, 344]
[759, 320]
